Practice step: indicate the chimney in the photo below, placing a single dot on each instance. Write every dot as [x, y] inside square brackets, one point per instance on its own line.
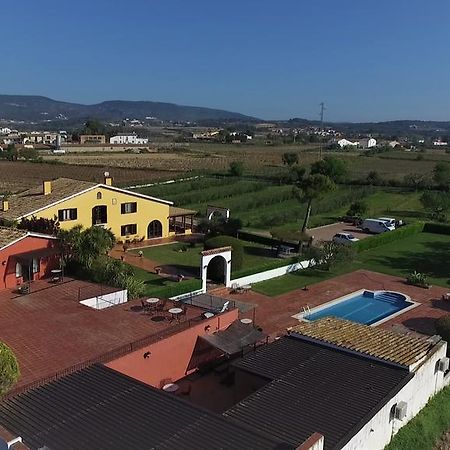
[5, 203]
[47, 187]
[108, 179]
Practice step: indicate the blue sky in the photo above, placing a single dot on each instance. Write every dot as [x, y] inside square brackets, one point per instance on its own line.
[367, 60]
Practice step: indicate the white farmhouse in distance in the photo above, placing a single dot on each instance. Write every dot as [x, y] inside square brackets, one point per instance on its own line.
[439, 143]
[367, 143]
[127, 139]
[346, 143]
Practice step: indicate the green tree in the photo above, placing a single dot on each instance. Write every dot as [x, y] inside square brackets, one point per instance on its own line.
[312, 188]
[441, 175]
[9, 369]
[85, 246]
[236, 168]
[437, 204]
[358, 208]
[332, 254]
[94, 126]
[290, 158]
[373, 178]
[415, 180]
[333, 168]
[296, 174]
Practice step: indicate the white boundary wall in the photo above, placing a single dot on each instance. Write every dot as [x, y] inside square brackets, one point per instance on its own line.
[273, 273]
[106, 300]
[426, 382]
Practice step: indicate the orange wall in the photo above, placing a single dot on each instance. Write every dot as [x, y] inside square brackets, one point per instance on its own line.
[170, 357]
[28, 244]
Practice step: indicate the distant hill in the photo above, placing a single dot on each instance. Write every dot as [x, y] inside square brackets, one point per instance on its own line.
[387, 128]
[31, 108]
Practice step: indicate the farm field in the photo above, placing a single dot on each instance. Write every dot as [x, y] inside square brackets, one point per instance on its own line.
[20, 175]
[262, 205]
[258, 159]
[423, 252]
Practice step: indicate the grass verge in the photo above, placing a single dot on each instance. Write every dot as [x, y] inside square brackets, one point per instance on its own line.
[422, 432]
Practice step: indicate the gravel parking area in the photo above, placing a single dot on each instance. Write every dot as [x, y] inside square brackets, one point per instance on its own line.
[326, 232]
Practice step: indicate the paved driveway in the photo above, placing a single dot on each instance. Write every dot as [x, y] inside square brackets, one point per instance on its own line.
[327, 232]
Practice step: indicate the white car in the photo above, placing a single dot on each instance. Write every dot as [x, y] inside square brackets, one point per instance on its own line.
[345, 238]
[391, 222]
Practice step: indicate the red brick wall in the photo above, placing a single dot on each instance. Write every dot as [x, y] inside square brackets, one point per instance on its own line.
[170, 357]
[8, 279]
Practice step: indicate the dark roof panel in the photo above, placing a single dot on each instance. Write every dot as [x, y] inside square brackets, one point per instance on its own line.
[99, 408]
[315, 389]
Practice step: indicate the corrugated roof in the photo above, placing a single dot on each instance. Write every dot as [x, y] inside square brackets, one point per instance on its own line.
[9, 235]
[315, 388]
[33, 199]
[99, 408]
[374, 341]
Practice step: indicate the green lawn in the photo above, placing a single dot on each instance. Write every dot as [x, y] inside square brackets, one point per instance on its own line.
[425, 252]
[424, 430]
[255, 255]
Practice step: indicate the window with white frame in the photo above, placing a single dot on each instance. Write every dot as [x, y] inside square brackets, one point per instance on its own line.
[67, 214]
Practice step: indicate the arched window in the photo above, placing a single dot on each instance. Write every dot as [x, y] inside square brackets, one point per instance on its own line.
[99, 195]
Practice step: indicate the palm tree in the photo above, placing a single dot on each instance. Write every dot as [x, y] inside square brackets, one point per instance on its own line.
[312, 188]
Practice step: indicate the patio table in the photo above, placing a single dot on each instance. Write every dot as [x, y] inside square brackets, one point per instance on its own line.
[246, 321]
[175, 313]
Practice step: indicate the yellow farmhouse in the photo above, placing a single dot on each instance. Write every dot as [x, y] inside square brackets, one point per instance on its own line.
[129, 215]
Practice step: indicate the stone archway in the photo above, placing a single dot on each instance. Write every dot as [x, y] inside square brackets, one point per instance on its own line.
[208, 256]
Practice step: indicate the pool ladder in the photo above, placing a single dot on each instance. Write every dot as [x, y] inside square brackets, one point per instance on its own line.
[306, 311]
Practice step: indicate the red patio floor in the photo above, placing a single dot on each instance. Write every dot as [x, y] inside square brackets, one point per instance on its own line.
[49, 331]
[274, 314]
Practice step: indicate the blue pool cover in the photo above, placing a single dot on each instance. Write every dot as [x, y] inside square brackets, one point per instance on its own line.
[367, 307]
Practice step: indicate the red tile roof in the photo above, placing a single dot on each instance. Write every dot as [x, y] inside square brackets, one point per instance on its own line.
[49, 331]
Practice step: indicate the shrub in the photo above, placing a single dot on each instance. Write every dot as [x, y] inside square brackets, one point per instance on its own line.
[236, 168]
[390, 236]
[216, 266]
[9, 369]
[417, 279]
[438, 228]
[443, 328]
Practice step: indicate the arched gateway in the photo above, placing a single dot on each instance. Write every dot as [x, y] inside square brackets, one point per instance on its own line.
[208, 256]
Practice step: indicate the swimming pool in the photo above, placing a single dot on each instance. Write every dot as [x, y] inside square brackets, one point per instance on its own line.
[367, 307]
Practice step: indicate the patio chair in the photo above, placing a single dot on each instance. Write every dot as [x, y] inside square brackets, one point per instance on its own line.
[24, 289]
[161, 305]
[234, 288]
[144, 306]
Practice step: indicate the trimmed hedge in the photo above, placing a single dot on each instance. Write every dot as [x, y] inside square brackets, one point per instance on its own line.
[391, 236]
[257, 239]
[438, 228]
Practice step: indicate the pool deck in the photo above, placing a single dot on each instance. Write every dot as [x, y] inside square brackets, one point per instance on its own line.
[274, 314]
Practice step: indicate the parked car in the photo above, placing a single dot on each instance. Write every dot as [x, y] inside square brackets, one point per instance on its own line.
[345, 238]
[376, 226]
[389, 220]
